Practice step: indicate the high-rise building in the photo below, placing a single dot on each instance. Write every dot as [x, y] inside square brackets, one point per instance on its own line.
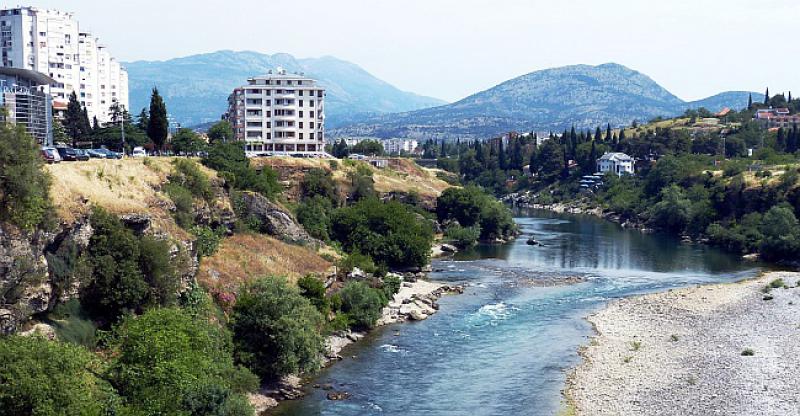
[279, 113]
[51, 42]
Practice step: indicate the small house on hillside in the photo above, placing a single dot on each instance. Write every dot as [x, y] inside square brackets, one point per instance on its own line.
[618, 163]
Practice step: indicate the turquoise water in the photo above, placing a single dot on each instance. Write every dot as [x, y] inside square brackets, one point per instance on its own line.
[503, 347]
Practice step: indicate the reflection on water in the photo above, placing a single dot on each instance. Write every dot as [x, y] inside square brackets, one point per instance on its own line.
[502, 347]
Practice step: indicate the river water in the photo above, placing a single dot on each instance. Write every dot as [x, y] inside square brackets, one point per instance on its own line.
[505, 345]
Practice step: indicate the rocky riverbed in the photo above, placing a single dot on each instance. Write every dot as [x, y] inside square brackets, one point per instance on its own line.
[728, 349]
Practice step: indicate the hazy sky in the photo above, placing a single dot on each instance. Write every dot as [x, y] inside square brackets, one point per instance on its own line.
[452, 48]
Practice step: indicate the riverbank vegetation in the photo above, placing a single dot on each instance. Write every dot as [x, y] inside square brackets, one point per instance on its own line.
[726, 180]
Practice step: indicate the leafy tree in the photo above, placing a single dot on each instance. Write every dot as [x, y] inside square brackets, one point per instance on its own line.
[391, 233]
[781, 232]
[221, 131]
[157, 123]
[187, 142]
[362, 184]
[49, 378]
[362, 304]
[170, 362]
[143, 120]
[550, 160]
[340, 149]
[24, 184]
[672, 212]
[314, 215]
[275, 329]
[470, 207]
[368, 147]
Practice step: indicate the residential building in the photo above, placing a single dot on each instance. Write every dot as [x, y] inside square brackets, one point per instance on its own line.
[398, 146]
[776, 118]
[26, 100]
[279, 113]
[618, 163]
[51, 42]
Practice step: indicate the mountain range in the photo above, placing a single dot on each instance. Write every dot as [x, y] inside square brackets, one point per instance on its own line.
[552, 99]
[196, 88]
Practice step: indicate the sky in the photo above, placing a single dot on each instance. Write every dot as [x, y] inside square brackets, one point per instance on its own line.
[450, 49]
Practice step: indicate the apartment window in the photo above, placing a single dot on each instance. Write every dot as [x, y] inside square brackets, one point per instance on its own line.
[301, 124]
[278, 82]
[311, 114]
[300, 93]
[299, 82]
[268, 103]
[301, 114]
[311, 136]
[301, 136]
[300, 102]
[311, 103]
[269, 124]
[269, 92]
[311, 124]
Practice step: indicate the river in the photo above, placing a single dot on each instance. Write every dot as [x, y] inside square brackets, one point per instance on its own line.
[504, 346]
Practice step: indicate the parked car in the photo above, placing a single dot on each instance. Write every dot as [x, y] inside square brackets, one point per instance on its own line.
[139, 152]
[67, 153]
[82, 154]
[96, 153]
[105, 153]
[50, 155]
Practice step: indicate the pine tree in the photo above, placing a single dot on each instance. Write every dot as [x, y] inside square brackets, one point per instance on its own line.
[158, 124]
[86, 125]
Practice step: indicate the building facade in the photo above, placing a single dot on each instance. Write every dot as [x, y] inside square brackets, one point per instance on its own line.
[51, 42]
[27, 102]
[279, 113]
[617, 163]
[398, 146]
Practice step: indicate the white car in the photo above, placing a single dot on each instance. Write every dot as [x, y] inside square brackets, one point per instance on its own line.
[139, 152]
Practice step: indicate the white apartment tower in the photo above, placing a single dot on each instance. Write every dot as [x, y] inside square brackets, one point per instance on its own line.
[279, 113]
[50, 42]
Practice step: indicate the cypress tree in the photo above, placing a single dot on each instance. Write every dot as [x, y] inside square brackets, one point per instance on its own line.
[766, 97]
[158, 124]
[598, 135]
[750, 102]
[592, 157]
[609, 139]
[789, 100]
[73, 119]
[95, 124]
[501, 155]
[780, 141]
[792, 142]
[144, 120]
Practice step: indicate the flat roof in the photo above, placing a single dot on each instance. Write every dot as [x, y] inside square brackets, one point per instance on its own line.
[35, 76]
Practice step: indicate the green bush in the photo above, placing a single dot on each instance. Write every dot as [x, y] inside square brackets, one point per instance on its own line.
[169, 362]
[24, 184]
[463, 237]
[313, 289]
[276, 330]
[362, 304]
[207, 240]
[184, 204]
[390, 233]
[41, 377]
[318, 182]
[187, 174]
[159, 271]
[781, 231]
[390, 286]
[353, 260]
[233, 166]
[72, 324]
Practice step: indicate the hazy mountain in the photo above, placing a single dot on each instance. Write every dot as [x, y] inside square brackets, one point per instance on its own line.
[735, 100]
[196, 87]
[552, 99]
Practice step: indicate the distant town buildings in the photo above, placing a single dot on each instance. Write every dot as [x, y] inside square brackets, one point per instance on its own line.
[279, 113]
[618, 163]
[398, 146]
[51, 42]
[26, 101]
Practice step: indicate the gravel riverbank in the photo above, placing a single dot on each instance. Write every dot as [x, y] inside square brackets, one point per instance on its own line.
[727, 349]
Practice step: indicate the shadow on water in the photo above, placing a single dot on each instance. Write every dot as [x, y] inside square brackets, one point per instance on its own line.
[502, 347]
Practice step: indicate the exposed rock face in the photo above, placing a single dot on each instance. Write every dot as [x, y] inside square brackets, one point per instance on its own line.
[275, 220]
[24, 286]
